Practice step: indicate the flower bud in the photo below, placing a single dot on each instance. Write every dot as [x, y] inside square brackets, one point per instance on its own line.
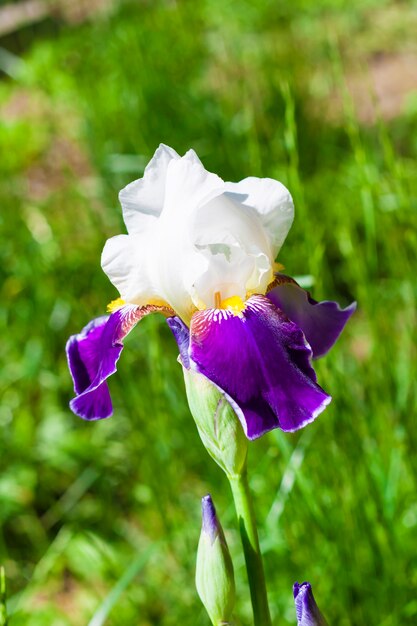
[218, 425]
[308, 613]
[214, 572]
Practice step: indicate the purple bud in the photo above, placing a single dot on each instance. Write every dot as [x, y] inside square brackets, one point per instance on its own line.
[214, 576]
[308, 613]
[210, 522]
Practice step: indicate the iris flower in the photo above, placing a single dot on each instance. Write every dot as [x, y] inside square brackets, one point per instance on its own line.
[201, 252]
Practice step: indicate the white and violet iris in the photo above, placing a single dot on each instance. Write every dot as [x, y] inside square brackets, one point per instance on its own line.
[201, 251]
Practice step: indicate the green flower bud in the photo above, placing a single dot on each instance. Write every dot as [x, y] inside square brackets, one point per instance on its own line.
[218, 425]
[214, 577]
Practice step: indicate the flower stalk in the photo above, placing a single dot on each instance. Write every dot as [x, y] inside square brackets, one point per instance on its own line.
[3, 611]
[222, 435]
[250, 541]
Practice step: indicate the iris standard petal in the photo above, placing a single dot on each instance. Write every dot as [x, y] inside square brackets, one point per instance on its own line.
[261, 360]
[232, 239]
[308, 613]
[272, 202]
[92, 356]
[321, 322]
[174, 261]
[189, 185]
[142, 200]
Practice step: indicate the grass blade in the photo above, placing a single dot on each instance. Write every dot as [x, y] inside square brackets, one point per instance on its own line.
[112, 598]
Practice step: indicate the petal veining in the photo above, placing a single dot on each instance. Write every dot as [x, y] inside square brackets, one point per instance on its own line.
[92, 357]
[261, 360]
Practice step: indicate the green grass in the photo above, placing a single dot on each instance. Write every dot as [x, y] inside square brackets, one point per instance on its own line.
[100, 522]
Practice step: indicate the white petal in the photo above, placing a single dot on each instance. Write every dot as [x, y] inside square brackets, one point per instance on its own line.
[223, 274]
[192, 235]
[176, 262]
[224, 215]
[125, 261]
[172, 259]
[238, 252]
[160, 261]
[191, 155]
[189, 185]
[143, 199]
[273, 203]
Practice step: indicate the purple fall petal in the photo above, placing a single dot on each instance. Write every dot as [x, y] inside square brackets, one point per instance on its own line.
[92, 356]
[321, 322]
[260, 359]
[84, 354]
[308, 613]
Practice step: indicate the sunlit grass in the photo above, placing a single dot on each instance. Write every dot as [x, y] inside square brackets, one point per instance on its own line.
[101, 521]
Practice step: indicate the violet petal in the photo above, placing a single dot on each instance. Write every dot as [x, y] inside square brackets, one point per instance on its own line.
[181, 333]
[92, 356]
[84, 355]
[321, 322]
[261, 360]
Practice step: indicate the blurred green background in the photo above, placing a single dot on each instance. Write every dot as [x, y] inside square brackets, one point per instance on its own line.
[100, 521]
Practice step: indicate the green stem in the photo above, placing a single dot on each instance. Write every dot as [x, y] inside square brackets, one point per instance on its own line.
[3, 612]
[253, 558]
